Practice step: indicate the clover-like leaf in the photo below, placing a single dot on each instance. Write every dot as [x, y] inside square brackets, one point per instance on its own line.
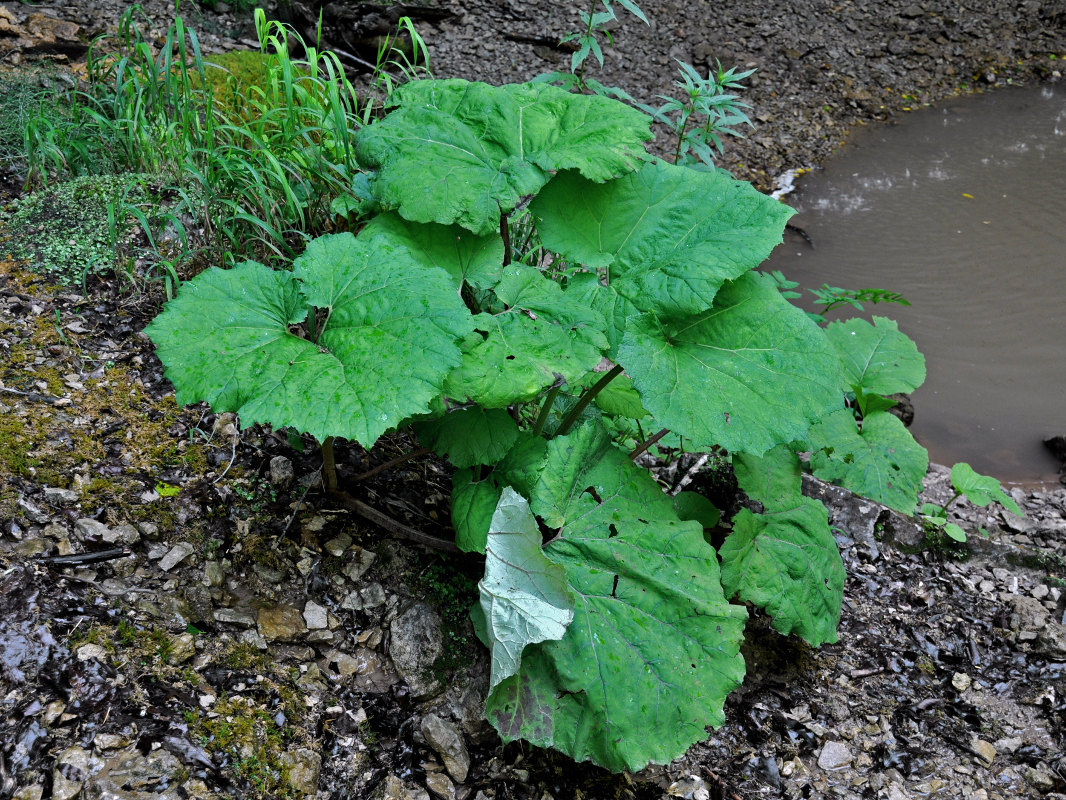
[787, 562]
[668, 236]
[654, 647]
[453, 151]
[389, 339]
[877, 357]
[883, 462]
[981, 489]
[751, 373]
[470, 436]
[525, 596]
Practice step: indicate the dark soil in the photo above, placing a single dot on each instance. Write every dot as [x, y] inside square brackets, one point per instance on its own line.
[184, 613]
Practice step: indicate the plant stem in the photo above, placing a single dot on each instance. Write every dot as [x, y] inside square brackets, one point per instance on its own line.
[944, 507]
[586, 398]
[329, 466]
[545, 410]
[646, 445]
[505, 234]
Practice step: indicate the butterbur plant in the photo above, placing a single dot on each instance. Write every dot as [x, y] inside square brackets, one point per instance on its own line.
[534, 282]
[981, 490]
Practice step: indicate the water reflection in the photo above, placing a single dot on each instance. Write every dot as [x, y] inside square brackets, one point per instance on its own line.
[962, 208]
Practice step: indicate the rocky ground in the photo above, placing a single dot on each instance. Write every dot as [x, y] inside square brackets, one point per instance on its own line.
[183, 613]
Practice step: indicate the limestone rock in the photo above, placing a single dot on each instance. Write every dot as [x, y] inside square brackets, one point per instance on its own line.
[302, 768]
[281, 472]
[443, 737]
[834, 756]
[439, 785]
[281, 623]
[60, 497]
[392, 788]
[175, 556]
[416, 644]
[90, 530]
[316, 617]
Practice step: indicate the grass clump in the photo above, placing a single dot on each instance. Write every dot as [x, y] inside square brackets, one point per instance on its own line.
[255, 149]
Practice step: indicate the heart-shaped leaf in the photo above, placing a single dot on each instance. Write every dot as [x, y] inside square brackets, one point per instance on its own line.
[751, 373]
[525, 596]
[390, 338]
[883, 462]
[649, 616]
[667, 236]
[787, 562]
[877, 357]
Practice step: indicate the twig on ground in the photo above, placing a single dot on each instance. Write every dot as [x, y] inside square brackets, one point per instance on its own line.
[419, 451]
[388, 523]
[232, 455]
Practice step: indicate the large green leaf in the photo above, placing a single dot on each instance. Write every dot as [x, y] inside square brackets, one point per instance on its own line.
[525, 596]
[877, 357]
[787, 562]
[981, 489]
[459, 152]
[473, 504]
[470, 436]
[389, 339]
[465, 256]
[774, 479]
[669, 236]
[544, 334]
[654, 647]
[883, 462]
[750, 373]
[615, 309]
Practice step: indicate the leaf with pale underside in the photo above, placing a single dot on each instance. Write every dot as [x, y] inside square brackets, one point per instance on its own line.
[751, 373]
[667, 235]
[653, 649]
[390, 338]
[525, 596]
[453, 151]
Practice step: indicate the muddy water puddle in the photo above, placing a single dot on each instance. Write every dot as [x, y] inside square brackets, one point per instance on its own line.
[962, 209]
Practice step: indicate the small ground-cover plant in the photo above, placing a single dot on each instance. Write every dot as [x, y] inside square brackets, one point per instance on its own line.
[69, 229]
[981, 490]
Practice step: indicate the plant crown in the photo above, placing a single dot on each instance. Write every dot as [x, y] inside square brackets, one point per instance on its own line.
[535, 290]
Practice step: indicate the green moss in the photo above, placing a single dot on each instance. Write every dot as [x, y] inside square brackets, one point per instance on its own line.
[452, 593]
[251, 739]
[239, 80]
